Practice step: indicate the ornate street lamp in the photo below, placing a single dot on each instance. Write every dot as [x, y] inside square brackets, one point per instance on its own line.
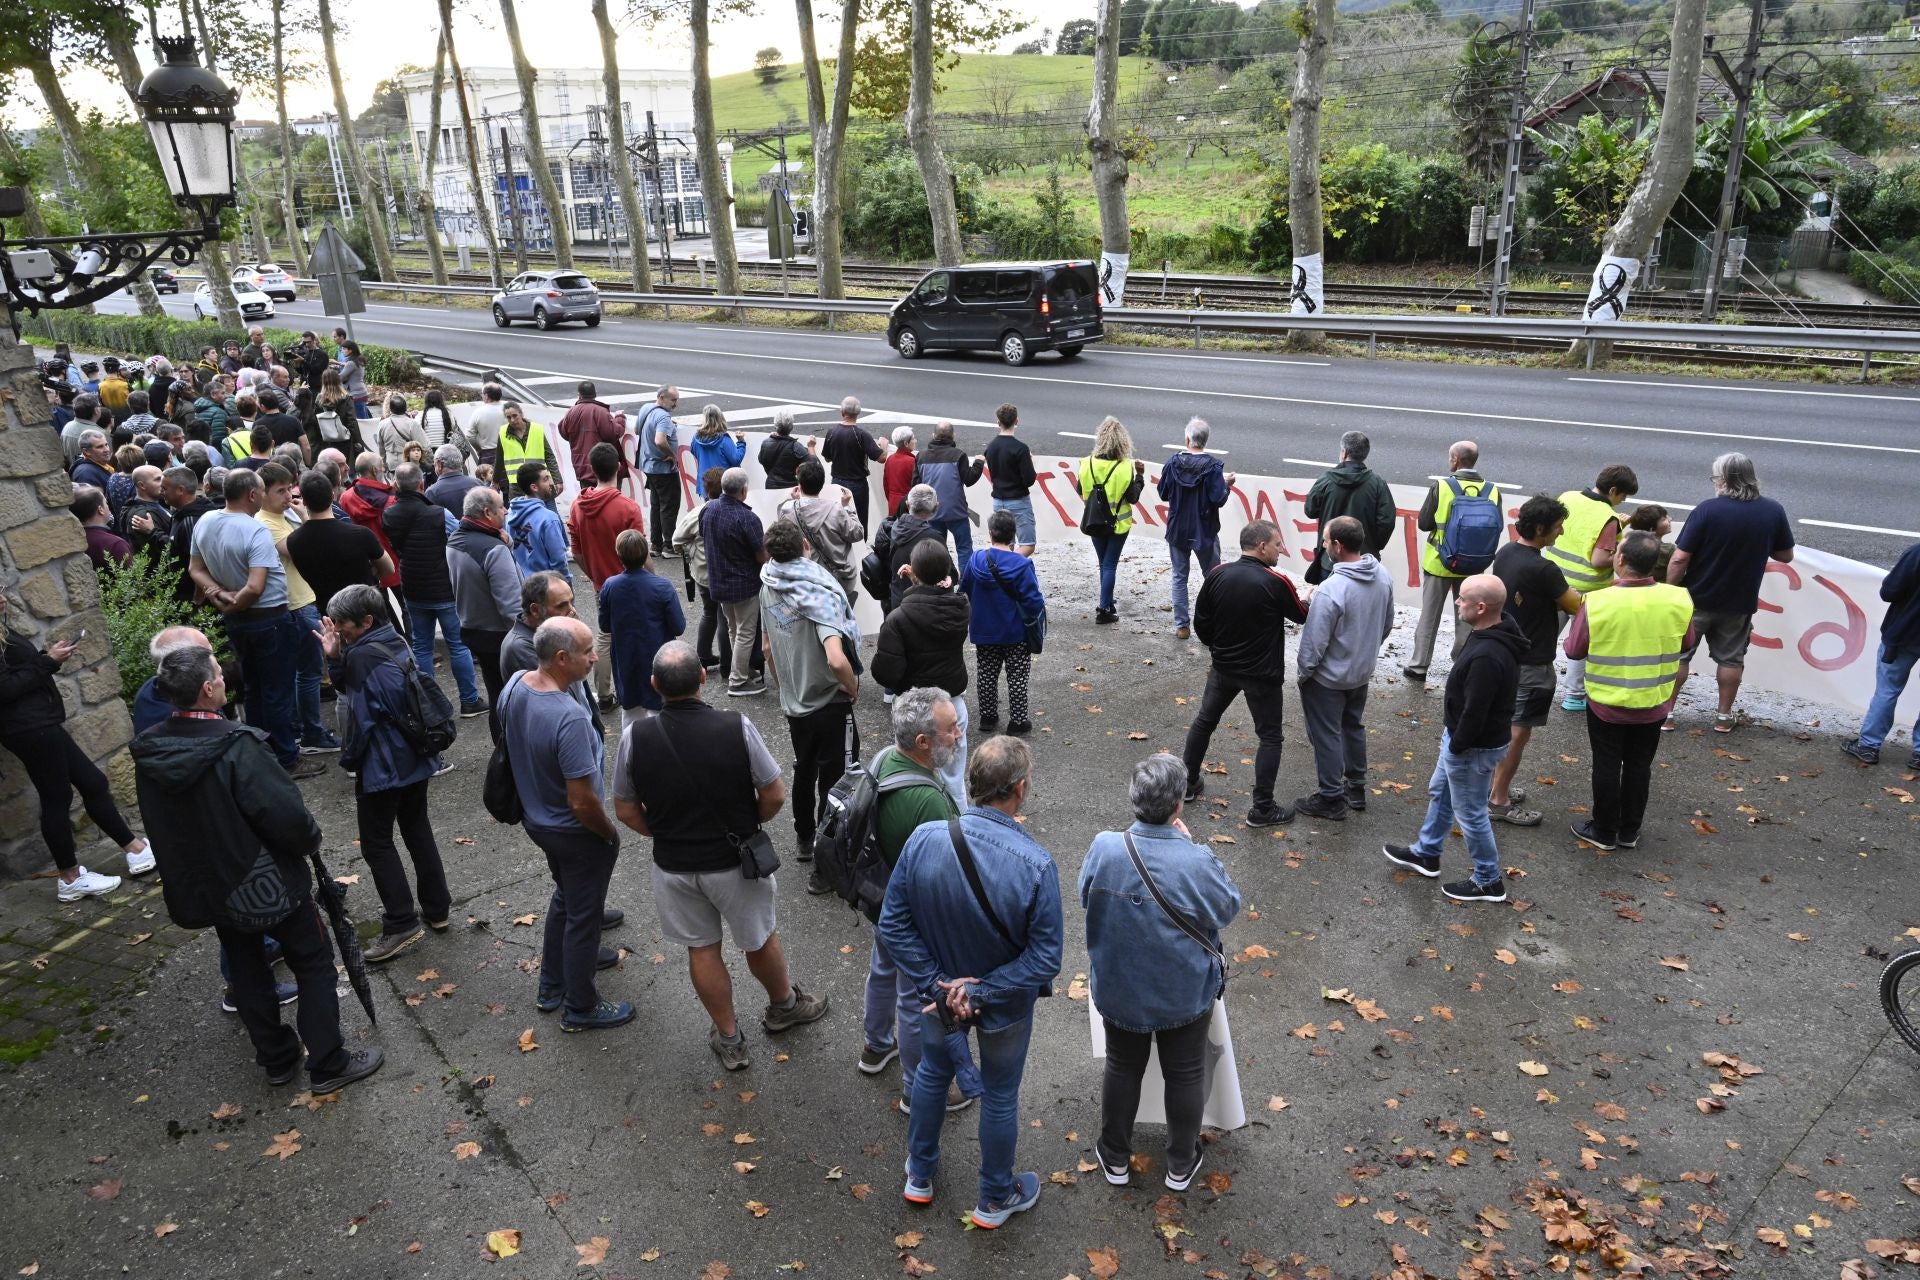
[189, 114]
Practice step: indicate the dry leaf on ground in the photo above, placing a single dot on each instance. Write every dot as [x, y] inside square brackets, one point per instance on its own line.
[503, 1244]
[593, 1252]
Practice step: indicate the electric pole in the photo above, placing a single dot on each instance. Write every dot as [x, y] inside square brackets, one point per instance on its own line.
[1740, 84]
[1510, 188]
[660, 191]
[513, 203]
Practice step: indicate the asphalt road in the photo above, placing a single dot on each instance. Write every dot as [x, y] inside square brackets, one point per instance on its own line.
[1844, 461]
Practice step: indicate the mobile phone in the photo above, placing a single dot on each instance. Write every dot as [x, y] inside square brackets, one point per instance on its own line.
[83, 633]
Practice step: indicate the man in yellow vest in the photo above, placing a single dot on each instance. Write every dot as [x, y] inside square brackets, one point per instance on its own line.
[1584, 550]
[1438, 584]
[521, 440]
[1633, 639]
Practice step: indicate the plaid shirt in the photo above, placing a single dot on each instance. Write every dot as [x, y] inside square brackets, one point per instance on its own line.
[733, 538]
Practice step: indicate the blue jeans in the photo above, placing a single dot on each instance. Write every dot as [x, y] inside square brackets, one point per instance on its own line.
[1003, 1060]
[1106, 549]
[306, 678]
[1458, 794]
[893, 1014]
[268, 650]
[1889, 681]
[962, 535]
[1209, 557]
[423, 617]
[1025, 532]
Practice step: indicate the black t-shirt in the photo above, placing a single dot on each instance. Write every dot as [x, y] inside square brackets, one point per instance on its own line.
[331, 554]
[285, 427]
[1534, 587]
[1010, 463]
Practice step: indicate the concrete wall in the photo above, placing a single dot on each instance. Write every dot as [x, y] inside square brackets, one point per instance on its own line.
[52, 595]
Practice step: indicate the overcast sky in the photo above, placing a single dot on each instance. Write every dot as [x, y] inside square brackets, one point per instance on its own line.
[379, 35]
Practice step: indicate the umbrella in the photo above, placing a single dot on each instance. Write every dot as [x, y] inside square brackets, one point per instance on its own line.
[334, 898]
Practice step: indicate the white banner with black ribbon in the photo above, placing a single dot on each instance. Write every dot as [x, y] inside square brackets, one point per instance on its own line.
[1309, 297]
[1612, 281]
[1113, 277]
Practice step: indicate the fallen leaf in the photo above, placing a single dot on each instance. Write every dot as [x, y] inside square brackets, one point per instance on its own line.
[31, 1269]
[1277, 1103]
[593, 1252]
[524, 1100]
[1103, 1263]
[527, 1043]
[225, 1111]
[1258, 952]
[860, 1190]
[1369, 1011]
[1457, 1157]
[1798, 937]
[1568, 987]
[1533, 1068]
[908, 1240]
[1904, 797]
[347, 880]
[528, 918]
[1061, 1178]
[652, 1254]
[426, 975]
[1222, 838]
[503, 1244]
[165, 1229]
[1705, 828]
[712, 1130]
[1306, 1031]
[914, 1267]
[1136, 737]
[1219, 1183]
[744, 1139]
[1707, 1106]
[717, 1270]
[1610, 1111]
[465, 1150]
[444, 990]
[139, 938]
[757, 1209]
[1674, 962]
[108, 1190]
[1443, 1013]
[284, 1145]
[1773, 1236]
[746, 1095]
[1505, 956]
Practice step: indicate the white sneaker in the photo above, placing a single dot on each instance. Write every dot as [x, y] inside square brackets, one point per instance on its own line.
[138, 864]
[87, 884]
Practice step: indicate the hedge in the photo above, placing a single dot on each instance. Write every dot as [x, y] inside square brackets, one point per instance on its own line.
[1895, 274]
[181, 340]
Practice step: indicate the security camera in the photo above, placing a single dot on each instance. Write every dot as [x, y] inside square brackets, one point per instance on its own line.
[86, 267]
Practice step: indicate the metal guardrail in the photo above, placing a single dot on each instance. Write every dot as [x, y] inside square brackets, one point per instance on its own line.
[480, 373]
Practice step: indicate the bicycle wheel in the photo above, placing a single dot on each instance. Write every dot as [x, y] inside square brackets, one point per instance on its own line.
[1900, 996]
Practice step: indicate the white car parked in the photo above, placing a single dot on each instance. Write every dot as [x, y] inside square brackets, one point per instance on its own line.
[254, 305]
[266, 278]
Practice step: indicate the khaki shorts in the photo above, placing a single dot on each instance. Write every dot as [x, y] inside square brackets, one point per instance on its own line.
[692, 905]
[1533, 703]
[1726, 635]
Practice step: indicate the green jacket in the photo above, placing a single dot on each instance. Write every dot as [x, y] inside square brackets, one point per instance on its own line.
[901, 811]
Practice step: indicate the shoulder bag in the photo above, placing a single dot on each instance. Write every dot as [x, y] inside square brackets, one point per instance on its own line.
[965, 854]
[1037, 624]
[1185, 925]
[758, 858]
[500, 793]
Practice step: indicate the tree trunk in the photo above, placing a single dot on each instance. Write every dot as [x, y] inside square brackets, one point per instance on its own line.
[296, 250]
[31, 220]
[618, 155]
[126, 61]
[713, 178]
[482, 197]
[1306, 220]
[1109, 161]
[829, 155]
[1660, 184]
[536, 145]
[371, 205]
[935, 176]
[436, 256]
[810, 72]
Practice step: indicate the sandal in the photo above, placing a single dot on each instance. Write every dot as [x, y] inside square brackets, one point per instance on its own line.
[1725, 723]
[1514, 816]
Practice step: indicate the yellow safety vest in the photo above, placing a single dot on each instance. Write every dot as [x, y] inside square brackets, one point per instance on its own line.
[239, 443]
[513, 453]
[1587, 519]
[1634, 641]
[1430, 555]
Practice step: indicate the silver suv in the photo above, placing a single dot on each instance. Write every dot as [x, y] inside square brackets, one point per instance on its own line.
[547, 298]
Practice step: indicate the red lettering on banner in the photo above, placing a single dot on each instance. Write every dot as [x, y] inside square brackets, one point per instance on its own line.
[1303, 525]
[1046, 491]
[1793, 584]
[1852, 633]
[1146, 514]
[1410, 531]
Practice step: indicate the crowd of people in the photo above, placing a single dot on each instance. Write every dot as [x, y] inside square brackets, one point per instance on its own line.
[340, 567]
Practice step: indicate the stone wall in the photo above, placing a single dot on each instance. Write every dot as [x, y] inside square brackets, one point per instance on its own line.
[52, 595]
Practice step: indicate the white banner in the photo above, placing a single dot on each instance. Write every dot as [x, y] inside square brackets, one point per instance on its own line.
[1612, 282]
[1816, 637]
[1309, 286]
[1113, 277]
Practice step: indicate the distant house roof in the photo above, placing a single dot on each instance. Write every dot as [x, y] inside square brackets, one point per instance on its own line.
[1629, 90]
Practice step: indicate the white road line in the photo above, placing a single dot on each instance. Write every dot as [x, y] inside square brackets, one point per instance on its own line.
[1192, 355]
[795, 333]
[1304, 462]
[1078, 435]
[1862, 528]
[1218, 453]
[1671, 506]
[926, 370]
[1498, 484]
[1763, 391]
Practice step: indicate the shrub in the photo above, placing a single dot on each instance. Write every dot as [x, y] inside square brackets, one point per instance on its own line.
[889, 215]
[1052, 230]
[1380, 206]
[1880, 208]
[139, 603]
[1895, 273]
[181, 340]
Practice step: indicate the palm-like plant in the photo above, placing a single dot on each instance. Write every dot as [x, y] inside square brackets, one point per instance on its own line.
[1588, 170]
[1783, 150]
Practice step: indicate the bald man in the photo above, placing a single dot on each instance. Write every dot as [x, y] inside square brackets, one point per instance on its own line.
[149, 708]
[1479, 709]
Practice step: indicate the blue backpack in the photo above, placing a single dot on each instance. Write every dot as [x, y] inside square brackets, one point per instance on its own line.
[1473, 530]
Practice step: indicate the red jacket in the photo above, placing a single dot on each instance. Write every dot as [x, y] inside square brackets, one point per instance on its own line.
[585, 425]
[597, 518]
[897, 477]
[365, 502]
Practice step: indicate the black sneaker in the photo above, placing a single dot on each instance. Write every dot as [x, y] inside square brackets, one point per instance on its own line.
[1474, 891]
[1628, 841]
[1418, 677]
[1119, 1173]
[991, 720]
[1357, 799]
[549, 1001]
[1404, 855]
[1864, 754]
[607, 958]
[1181, 1181]
[468, 710]
[1105, 617]
[361, 1063]
[803, 846]
[612, 918]
[816, 885]
[606, 1014]
[280, 1075]
[1316, 806]
[388, 945]
[1196, 787]
[1913, 761]
[1269, 815]
[1019, 728]
[1585, 831]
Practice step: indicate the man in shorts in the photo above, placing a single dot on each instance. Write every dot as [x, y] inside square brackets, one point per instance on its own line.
[1537, 595]
[700, 782]
[1010, 463]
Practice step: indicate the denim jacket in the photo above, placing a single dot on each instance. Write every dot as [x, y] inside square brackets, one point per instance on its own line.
[1146, 973]
[934, 928]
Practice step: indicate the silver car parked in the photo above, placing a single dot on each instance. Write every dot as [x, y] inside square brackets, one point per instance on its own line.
[547, 298]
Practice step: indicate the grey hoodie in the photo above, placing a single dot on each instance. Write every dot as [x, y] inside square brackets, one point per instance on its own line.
[1349, 618]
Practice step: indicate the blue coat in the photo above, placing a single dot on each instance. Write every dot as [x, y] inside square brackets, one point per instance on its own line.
[1900, 629]
[1146, 973]
[539, 539]
[641, 611]
[997, 616]
[722, 451]
[371, 678]
[1194, 487]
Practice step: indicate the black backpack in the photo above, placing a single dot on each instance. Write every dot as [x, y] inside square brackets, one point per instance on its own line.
[428, 721]
[846, 848]
[1096, 515]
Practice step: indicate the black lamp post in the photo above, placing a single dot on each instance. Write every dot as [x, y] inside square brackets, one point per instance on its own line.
[189, 113]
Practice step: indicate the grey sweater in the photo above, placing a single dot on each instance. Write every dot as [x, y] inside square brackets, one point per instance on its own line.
[486, 581]
[1349, 618]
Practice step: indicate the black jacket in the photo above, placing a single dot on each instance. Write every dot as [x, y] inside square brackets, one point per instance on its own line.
[1352, 489]
[847, 449]
[893, 543]
[238, 833]
[923, 642]
[181, 541]
[1239, 615]
[780, 458]
[29, 699]
[1481, 686]
[417, 528]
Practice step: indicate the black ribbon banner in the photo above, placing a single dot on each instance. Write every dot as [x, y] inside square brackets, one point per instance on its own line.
[1300, 294]
[1611, 288]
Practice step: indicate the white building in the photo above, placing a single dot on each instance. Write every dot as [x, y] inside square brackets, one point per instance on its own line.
[571, 105]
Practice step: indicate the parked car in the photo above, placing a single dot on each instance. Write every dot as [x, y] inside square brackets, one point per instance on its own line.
[254, 305]
[164, 281]
[265, 277]
[547, 298]
[1015, 308]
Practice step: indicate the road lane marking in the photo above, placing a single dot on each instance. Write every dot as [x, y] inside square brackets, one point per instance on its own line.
[868, 366]
[1862, 528]
[795, 333]
[1764, 391]
[1671, 506]
[1302, 462]
[1220, 453]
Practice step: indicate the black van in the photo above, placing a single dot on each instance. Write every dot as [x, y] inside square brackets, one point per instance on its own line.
[1015, 308]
